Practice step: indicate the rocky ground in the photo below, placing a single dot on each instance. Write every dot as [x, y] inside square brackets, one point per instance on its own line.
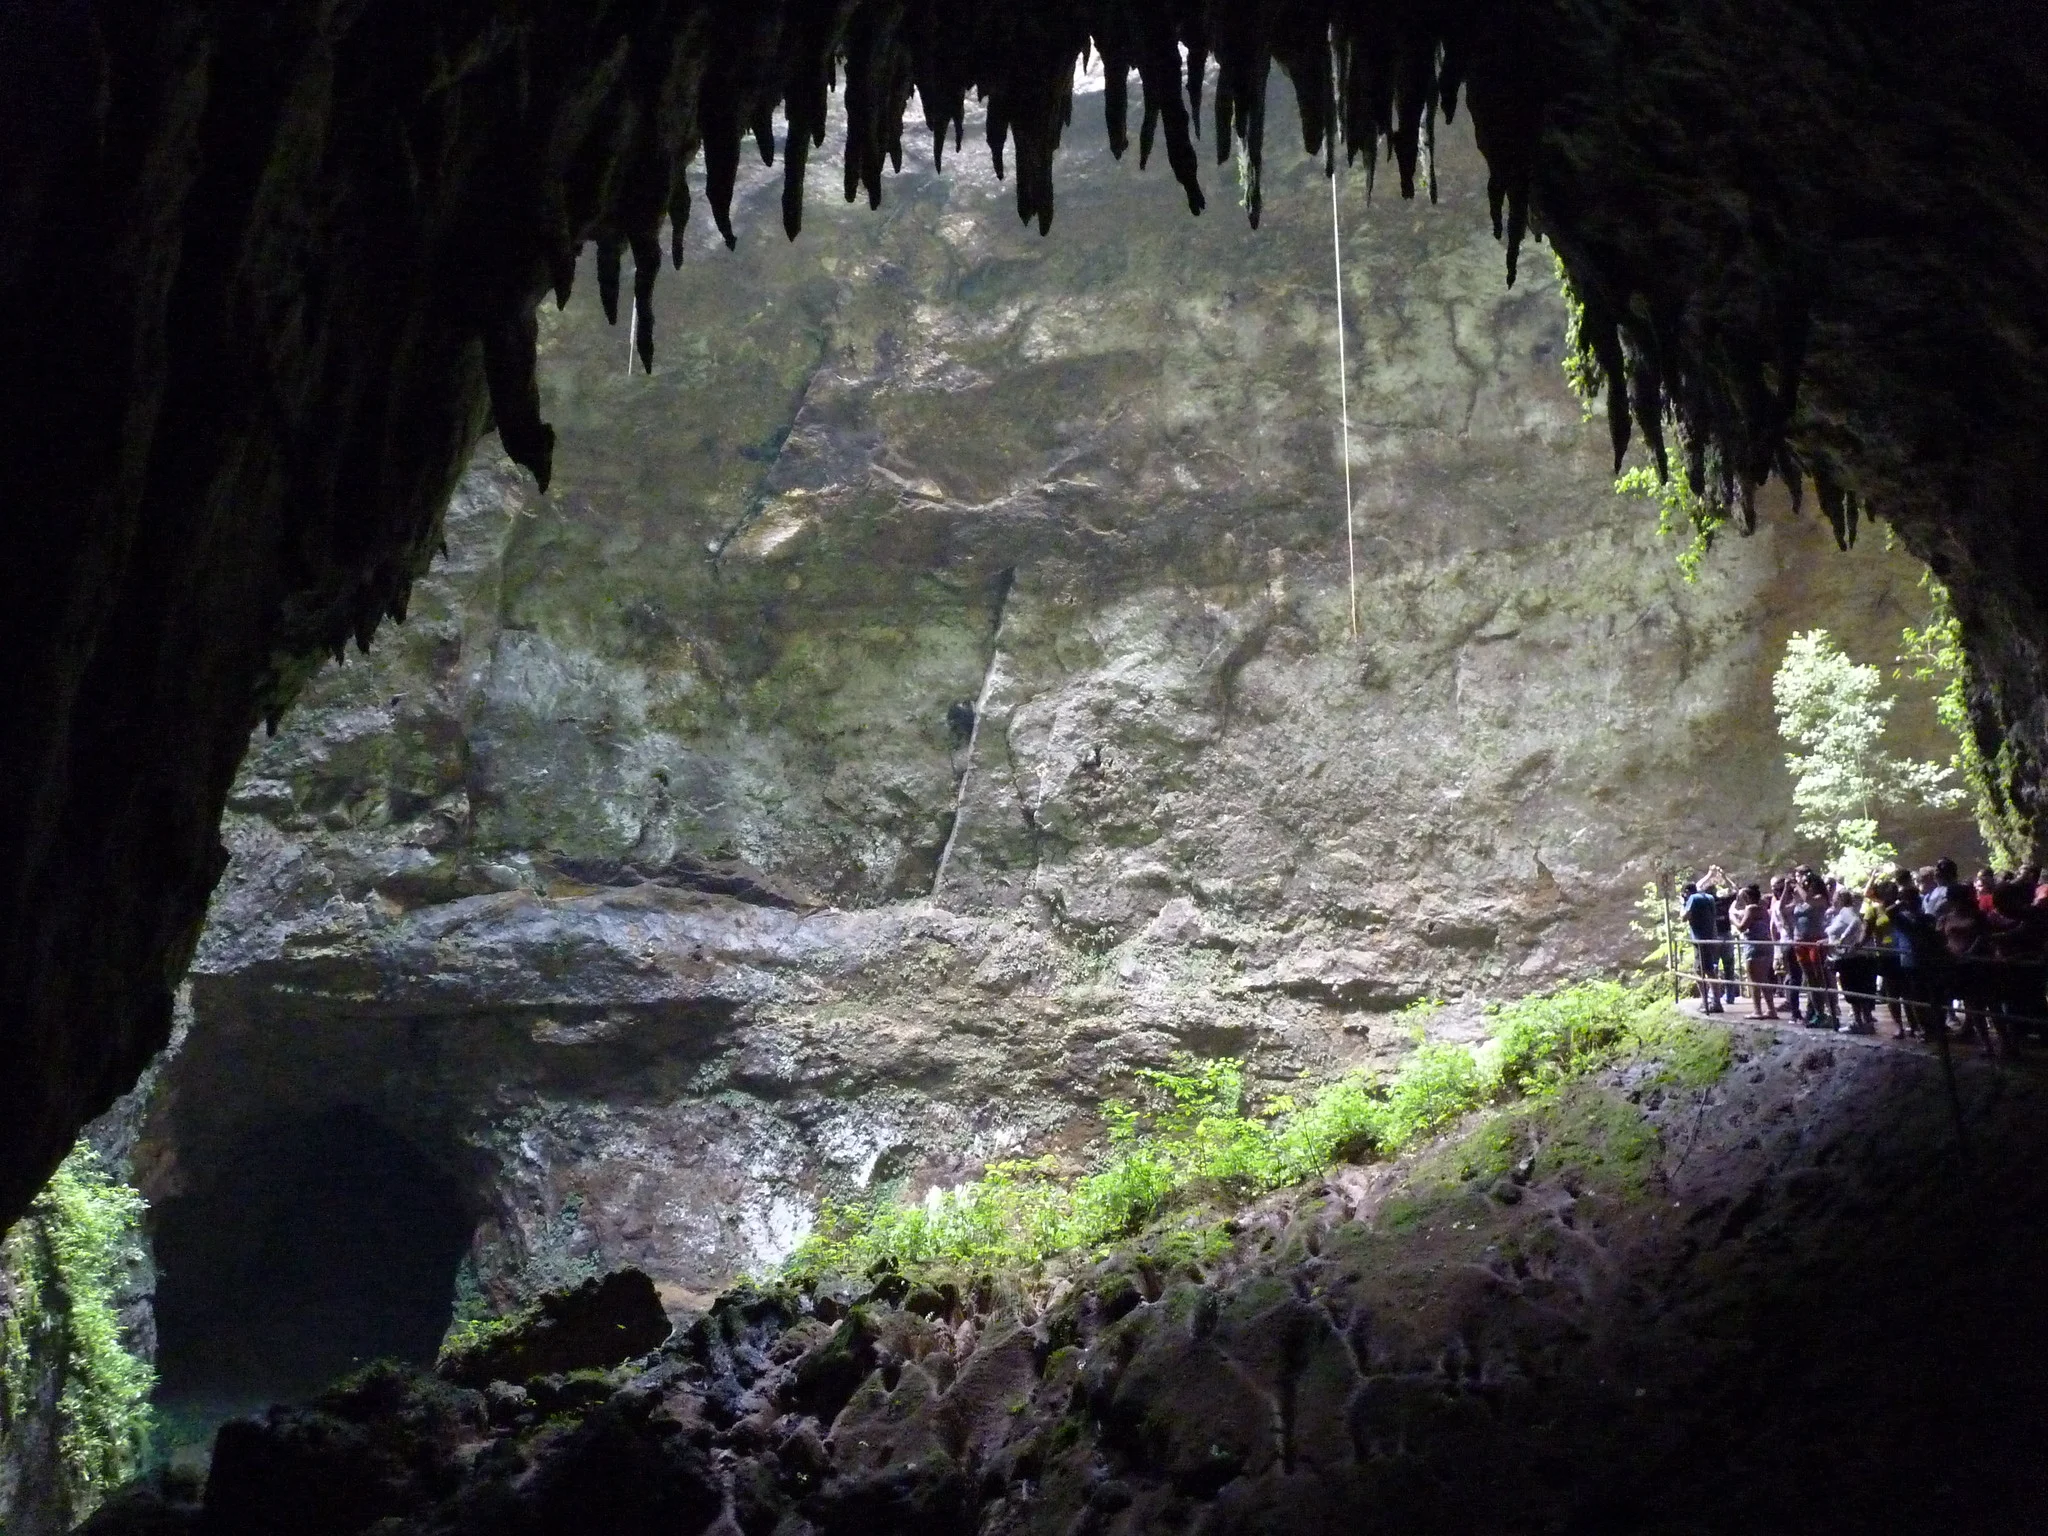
[1779, 1298]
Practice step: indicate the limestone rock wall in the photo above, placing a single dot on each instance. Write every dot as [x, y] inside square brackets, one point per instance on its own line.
[931, 693]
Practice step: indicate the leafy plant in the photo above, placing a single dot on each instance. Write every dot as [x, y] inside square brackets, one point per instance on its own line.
[1659, 923]
[1681, 510]
[1582, 371]
[1934, 653]
[69, 1259]
[1188, 1137]
[1553, 1036]
[1834, 710]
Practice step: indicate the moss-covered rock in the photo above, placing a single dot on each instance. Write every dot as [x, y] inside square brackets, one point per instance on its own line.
[602, 1322]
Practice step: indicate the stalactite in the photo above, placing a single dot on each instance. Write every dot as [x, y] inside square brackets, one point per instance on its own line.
[646, 267]
[509, 357]
[608, 276]
[1371, 79]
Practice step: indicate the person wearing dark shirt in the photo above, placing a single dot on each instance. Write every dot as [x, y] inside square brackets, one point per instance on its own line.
[1918, 956]
[1701, 922]
[1966, 935]
[1724, 935]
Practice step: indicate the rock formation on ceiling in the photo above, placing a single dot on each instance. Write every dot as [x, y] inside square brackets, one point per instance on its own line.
[931, 699]
[273, 266]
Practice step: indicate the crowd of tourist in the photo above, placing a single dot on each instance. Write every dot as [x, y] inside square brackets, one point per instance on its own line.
[1935, 954]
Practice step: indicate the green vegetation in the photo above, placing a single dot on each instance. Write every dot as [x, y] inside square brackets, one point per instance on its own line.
[1834, 710]
[1660, 923]
[1188, 1139]
[68, 1260]
[1582, 370]
[467, 1335]
[1682, 507]
[1681, 510]
[1934, 654]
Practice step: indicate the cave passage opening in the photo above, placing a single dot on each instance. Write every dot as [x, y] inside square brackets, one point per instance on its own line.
[313, 1247]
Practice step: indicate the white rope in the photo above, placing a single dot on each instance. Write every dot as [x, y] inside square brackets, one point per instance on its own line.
[1344, 405]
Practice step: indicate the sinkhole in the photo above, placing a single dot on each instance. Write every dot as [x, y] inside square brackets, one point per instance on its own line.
[313, 1247]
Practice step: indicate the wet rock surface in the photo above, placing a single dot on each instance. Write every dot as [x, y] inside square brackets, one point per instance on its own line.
[1778, 1302]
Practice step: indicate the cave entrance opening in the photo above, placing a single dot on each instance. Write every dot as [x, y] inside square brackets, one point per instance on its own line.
[314, 1246]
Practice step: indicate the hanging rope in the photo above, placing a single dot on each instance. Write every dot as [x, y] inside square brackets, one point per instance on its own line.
[1344, 405]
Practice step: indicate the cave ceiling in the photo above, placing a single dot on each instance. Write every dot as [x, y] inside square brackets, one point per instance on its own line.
[271, 267]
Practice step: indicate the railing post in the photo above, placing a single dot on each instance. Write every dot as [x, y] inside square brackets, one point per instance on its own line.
[1670, 939]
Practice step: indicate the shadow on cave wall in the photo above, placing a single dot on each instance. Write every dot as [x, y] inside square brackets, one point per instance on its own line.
[313, 1247]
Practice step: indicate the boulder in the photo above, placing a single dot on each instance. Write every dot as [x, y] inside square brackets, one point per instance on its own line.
[591, 1327]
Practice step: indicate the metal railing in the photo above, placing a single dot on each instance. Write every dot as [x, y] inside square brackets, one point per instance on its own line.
[1999, 989]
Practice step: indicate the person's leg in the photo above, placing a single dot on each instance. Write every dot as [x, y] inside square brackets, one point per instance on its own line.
[1926, 1009]
[1939, 982]
[1971, 982]
[1858, 989]
[1824, 1005]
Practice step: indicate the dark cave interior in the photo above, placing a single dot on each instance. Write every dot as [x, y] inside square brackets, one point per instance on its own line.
[315, 1246]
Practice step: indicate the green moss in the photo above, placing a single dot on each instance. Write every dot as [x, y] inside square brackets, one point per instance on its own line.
[1683, 1052]
[1488, 1152]
[1596, 1138]
[1198, 1245]
[68, 1260]
[466, 1335]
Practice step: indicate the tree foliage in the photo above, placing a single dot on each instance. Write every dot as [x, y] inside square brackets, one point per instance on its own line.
[1833, 711]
